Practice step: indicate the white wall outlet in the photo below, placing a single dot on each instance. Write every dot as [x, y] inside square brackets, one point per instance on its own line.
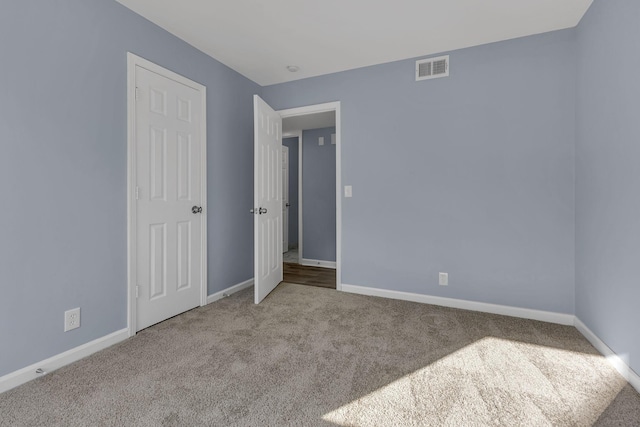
[443, 279]
[71, 319]
[321, 140]
[348, 192]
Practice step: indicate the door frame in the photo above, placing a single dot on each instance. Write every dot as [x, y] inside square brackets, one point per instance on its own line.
[134, 61]
[303, 111]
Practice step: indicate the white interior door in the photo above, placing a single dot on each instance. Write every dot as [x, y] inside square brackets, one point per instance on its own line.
[169, 219]
[285, 198]
[267, 198]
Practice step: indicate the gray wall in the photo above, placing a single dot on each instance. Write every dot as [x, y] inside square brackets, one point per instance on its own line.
[318, 195]
[292, 143]
[63, 168]
[471, 175]
[608, 175]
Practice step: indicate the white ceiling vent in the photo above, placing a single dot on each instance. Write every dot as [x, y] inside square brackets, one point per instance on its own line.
[432, 68]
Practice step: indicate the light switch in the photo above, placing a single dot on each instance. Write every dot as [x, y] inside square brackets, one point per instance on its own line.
[347, 191]
[321, 140]
[443, 279]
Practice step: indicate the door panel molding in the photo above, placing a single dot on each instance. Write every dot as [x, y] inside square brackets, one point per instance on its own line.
[134, 61]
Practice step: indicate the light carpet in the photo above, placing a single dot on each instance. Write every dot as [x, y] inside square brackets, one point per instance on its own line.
[309, 356]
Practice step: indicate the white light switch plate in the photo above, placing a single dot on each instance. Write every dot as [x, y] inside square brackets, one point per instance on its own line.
[443, 279]
[347, 191]
[321, 140]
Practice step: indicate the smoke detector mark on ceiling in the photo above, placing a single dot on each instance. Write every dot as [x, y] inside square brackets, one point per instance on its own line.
[432, 68]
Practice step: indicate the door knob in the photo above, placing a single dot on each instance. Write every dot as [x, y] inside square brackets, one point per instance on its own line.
[287, 205]
[262, 211]
[196, 209]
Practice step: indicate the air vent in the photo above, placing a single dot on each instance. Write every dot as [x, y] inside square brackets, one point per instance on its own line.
[432, 68]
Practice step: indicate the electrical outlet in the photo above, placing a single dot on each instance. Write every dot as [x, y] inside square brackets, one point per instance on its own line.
[71, 319]
[443, 279]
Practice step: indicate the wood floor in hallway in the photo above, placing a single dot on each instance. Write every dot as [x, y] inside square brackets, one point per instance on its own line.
[313, 276]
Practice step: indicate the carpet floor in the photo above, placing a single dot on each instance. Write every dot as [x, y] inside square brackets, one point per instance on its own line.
[309, 356]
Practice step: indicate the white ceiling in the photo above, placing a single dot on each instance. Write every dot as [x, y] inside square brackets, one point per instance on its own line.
[309, 121]
[259, 38]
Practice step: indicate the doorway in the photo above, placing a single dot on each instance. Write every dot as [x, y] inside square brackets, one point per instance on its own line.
[311, 139]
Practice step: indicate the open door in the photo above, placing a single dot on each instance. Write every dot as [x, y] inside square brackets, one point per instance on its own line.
[267, 196]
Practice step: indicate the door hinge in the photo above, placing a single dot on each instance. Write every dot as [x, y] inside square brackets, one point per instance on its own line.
[137, 93]
[137, 193]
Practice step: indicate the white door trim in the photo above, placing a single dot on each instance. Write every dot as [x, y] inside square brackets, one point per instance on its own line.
[312, 109]
[132, 62]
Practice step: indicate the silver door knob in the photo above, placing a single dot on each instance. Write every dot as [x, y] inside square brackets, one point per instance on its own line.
[196, 209]
[262, 211]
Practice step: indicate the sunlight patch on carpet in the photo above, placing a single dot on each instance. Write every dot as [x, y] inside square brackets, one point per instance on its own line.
[492, 381]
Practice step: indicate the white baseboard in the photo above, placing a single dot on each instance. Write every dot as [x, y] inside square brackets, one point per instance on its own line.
[526, 313]
[230, 290]
[21, 376]
[318, 263]
[619, 363]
